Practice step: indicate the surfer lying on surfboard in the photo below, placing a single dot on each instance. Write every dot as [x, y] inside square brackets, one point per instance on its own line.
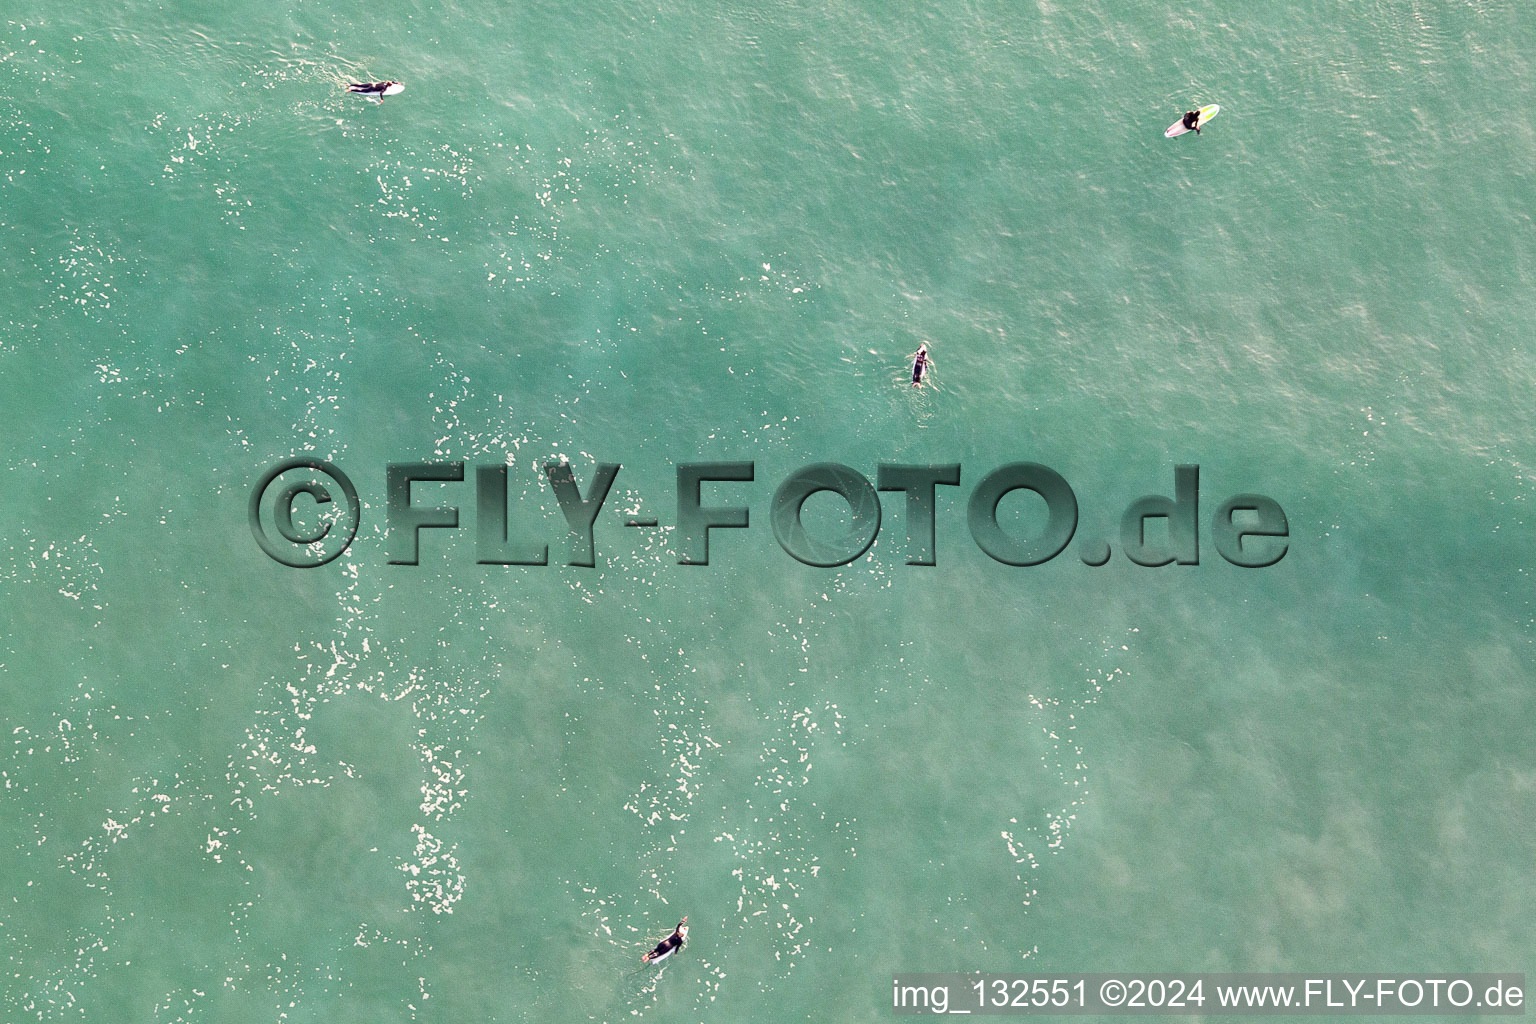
[921, 364]
[376, 91]
[667, 946]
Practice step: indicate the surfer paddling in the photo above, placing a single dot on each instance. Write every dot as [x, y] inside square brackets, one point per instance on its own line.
[376, 91]
[669, 945]
[921, 364]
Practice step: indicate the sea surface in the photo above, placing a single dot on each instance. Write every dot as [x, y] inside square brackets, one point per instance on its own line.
[676, 232]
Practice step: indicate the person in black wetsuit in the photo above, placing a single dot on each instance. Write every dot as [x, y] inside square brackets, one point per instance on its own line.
[920, 364]
[374, 90]
[1192, 120]
[668, 945]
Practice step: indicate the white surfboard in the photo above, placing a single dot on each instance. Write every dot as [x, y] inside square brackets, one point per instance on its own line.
[920, 377]
[392, 89]
[1206, 113]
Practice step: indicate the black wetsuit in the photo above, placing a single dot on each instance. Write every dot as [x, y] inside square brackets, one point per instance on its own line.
[919, 366]
[1192, 120]
[665, 946]
[369, 87]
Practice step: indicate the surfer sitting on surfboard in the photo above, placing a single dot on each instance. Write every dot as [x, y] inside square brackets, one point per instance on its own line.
[376, 90]
[920, 364]
[668, 945]
[1192, 120]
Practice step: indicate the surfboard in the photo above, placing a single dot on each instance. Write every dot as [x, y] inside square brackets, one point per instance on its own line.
[1206, 113]
[919, 377]
[393, 89]
[398, 88]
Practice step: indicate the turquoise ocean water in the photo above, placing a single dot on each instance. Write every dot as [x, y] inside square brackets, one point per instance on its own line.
[654, 234]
